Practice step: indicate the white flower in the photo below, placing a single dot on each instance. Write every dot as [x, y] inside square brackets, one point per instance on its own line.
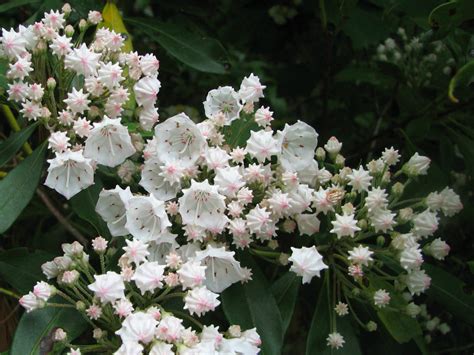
[109, 143]
[54, 19]
[149, 65]
[110, 75]
[263, 116]
[322, 202]
[381, 298]
[130, 348]
[146, 91]
[417, 281]
[138, 327]
[382, 220]
[170, 329]
[390, 156]
[29, 35]
[261, 145]
[17, 91]
[425, 224]
[30, 302]
[31, 110]
[297, 144]
[179, 139]
[360, 255]
[82, 127]
[192, 274]
[333, 146]
[229, 181]
[50, 269]
[311, 174]
[222, 268]
[160, 248]
[82, 60]
[359, 179]
[153, 181]
[411, 258]
[301, 199]
[335, 340]
[341, 309]
[200, 300]
[202, 205]
[376, 199]
[149, 276]
[58, 142]
[112, 206]
[108, 287]
[43, 290]
[417, 165]
[307, 262]
[13, 43]
[20, 69]
[223, 100]
[94, 17]
[451, 202]
[148, 117]
[344, 225]
[438, 249]
[238, 346]
[160, 348]
[77, 101]
[250, 89]
[136, 251]
[146, 218]
[35, 92]
[61, 45]
[307, 223]
[258, 219]
[69, 173]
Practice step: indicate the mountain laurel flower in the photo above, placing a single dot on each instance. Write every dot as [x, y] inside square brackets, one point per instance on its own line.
[112, 207]
[136, 251]
[13, 43]
[108, 287]
[451, 202]
[58, 142]
[360, 255]
[109, 143]
[146, 218]
[146, 91]
[170, 328]
[263, 116]
[359, 179]
[77, 101]
[251, 90]
[200, 300]
[344, 226]
[376, 199]
[333, 146]
[383, 220]
[425, 224]
[148, 276]
[20, 69]
[390, 156]
[411, 258]
[261, 145]
[417, 281]
[94, 312]
[30, 302]
[335, 340]
[223, 100]
[69, 172]
[417, 165]
[82, 60]
[438, 249]
[306, 262]
[381, 298]
[341, 309]
[229, 181]
[138, 327]
[307, 223]
[192, 274]
[43, 290]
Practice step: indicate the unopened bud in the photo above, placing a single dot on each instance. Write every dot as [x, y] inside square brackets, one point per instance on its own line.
[80, 306]
[51, 83]
[69, 31]
[320, 154]
[371, 326]
[97, 333]
[397, 189]
[59, 335]
[82, 25]
[362, 224]
[283, 259]
[234, 331]
[339, 161]
[380, 240]
[66, 9]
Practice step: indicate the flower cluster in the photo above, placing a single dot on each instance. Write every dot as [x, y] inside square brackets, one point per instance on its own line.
[128, 309]
[411, 54]
[80, 93]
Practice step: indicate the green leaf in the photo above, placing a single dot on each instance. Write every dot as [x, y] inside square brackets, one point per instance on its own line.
[320, 328]
[251, 305]
[447, 290]
[446, 17]
[16, 3]
[201, 53]
[33, 335]
[401, 327]
[237, 134]
[83, 204]
[463, 77]
[22, 269]
[18, 187]
[3, 72]
[12, 144]
[285, 290]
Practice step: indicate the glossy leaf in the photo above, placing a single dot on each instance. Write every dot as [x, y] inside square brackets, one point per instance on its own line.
[463, 77]
[16, 3]
[84, 205]
[18, 187]
[201, 53]
[251, 305]
[237, 134]
[447, 290]
[285, 290]
[22, 269]
[401, 327]
[446, 17]
[12, 144]
[33, 335]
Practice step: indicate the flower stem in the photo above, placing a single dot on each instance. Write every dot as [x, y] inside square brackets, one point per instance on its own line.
[15, 126]
[9, 293]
